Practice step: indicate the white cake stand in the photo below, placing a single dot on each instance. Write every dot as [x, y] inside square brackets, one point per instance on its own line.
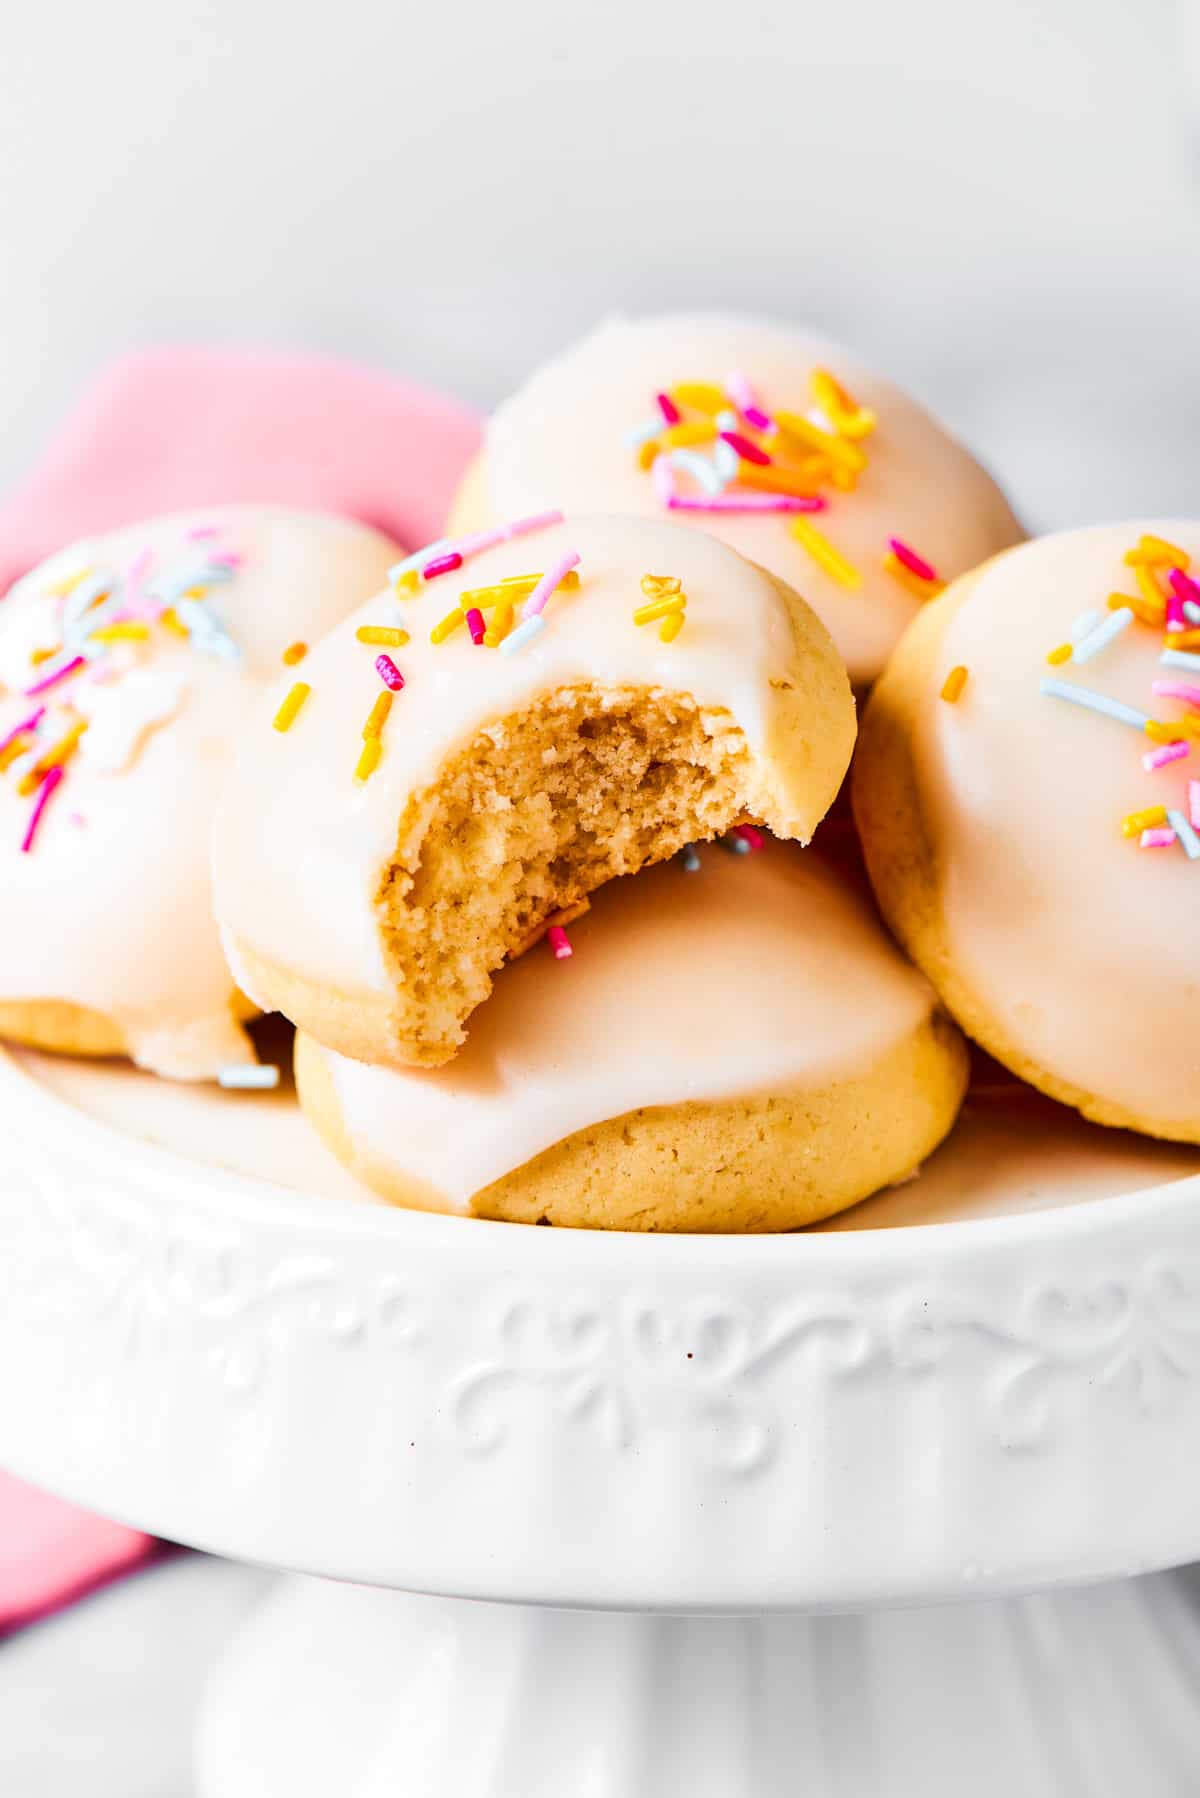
[697, 1445]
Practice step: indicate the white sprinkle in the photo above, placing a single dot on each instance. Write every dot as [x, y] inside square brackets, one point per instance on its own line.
[643, 433]
[727, 421]
[248, 1076]
[1095, 702]
[703, 472]
[1179, 658]
[418, 559]
[1186, 835]
[524, 633]
[1083, 625]
[1104, 634]
[1191, 611]
[725, 460]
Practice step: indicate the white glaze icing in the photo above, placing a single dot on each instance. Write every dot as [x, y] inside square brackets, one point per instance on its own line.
[1084, 947]
[562, 439]
[753, 974]
[112, 908]
[300, 845]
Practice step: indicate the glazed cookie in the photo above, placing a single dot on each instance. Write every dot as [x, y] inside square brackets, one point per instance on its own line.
[522, 717]
[1026, 789]
[777, 441]
[125, 662]
[736, 1048]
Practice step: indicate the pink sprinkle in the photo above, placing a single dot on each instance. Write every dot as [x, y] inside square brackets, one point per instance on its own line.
[19, 730]
[52, 680]
[915, 564]
[1162, 838]
[1170, 752]
[1176, 689]
[748, 452]
[538, 521]
[475, 624]
[1194, 803]
[754, 415]
[663, 476]
[1182, 585]
[389, 674]
[552, 578]
[471, 546]
[738, 387]
[51, 780]
[560, 942]
[667, 407]
[749, 502]
[201, 530]
[78, 820]
[226, 558]
[138, 569]
[442, 564]
[749, 835]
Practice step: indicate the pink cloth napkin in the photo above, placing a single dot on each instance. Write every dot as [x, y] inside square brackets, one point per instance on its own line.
[168, 429]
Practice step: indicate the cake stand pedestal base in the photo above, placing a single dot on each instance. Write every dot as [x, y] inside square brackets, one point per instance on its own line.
[348, 1692]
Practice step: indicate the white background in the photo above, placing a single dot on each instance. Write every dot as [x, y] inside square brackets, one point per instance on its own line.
[997, 202]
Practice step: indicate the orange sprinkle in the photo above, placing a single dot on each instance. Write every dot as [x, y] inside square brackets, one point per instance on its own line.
[13, 751]
[954, 683]
[388, 635]
[1149, 614]
[44, 655]
[1159, 732]
[841, 454]
[295, 652]
[1153, 818]
[500, 624]
[1061, 653]
[1156, 550]
[1152, 593]
[648, 453]
[916, 584]
[377, 716]
[170, 617]
[368, 761]
[285, 717]
[801, 481]
[843, 411]
[56, 756]
[1182, 640]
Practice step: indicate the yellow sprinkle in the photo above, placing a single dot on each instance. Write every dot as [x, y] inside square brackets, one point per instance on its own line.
[295, 652]
[954, 683]
[1172, 731]
[127, 632]
[44, 655]
[1152, 818]
[844, 413]
[408, 582]
[1062, 652]
[648, 452]
[368, 761]
[823, 553]
[383, 634]
[500, 625]
[702, 396]
[562, 918]
[513, 586]
[60, 588]
[689, 432]
[1156, 549]
[1152, 615]
[1182, 639]
[916, 584]
[55, 757]
[1152, 593]
[377, 716]
[841, 454]
[660, 608]
[446, 625]
[195, 592]
[654, 586]
[670, 627]
[801, 480]
[285, 717]
[170, 617]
